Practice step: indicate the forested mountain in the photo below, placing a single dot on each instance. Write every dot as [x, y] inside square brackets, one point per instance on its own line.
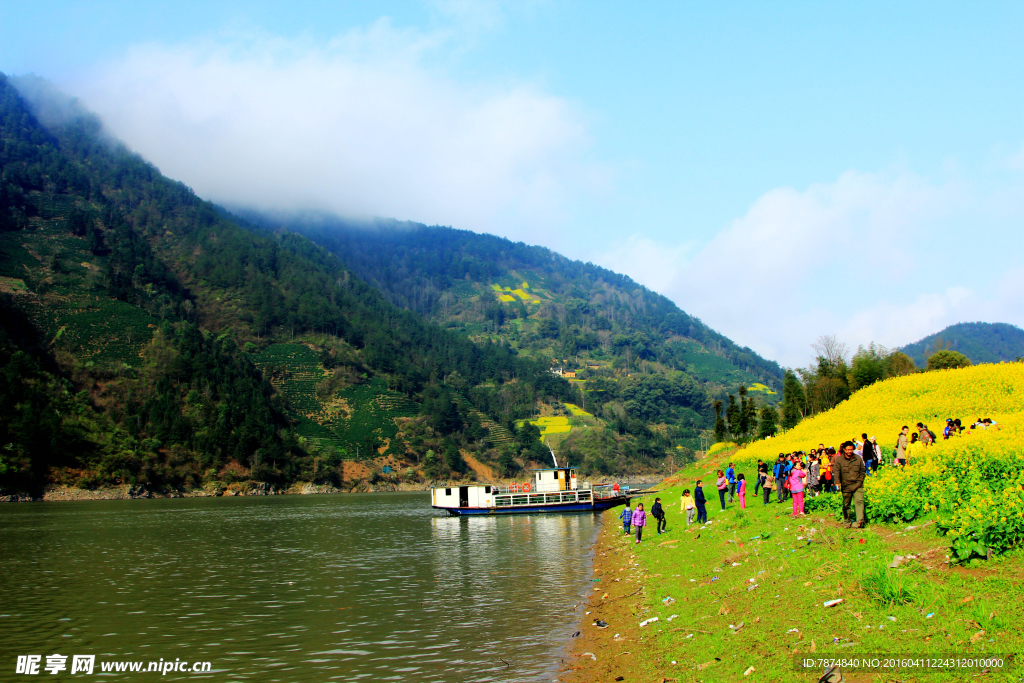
[981, 342]
[633, 353]
[146, 336]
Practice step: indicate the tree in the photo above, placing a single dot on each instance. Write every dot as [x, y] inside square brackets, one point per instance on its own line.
[769, 422]
[732, 416]
[743, 422]
[430, 464]
[829, 347]
[898, 364]
[946, 359]
[867, 366]
[794, 400]
[720, 428]
[453, 458]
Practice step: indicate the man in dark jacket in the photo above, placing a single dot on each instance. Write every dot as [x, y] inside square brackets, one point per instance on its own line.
[701, 502]
[658, 512]
[868, 449]
[848, 473]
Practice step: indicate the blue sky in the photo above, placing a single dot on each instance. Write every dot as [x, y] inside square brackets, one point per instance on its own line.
[782, 170]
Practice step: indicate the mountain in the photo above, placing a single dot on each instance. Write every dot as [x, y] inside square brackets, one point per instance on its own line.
[981, 342]
[543, 304]
[149, 338]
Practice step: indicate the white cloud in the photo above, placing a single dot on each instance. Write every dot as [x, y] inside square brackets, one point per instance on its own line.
[365, 124]
[880, 257]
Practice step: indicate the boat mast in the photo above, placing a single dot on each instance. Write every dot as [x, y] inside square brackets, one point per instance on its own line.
[555, 460]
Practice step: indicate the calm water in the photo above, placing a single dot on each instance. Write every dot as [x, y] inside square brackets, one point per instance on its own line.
[292, 588]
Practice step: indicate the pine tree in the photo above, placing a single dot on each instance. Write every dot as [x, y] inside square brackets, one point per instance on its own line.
[769, 422]
[732, 416]
[794, 401]
[720, 429]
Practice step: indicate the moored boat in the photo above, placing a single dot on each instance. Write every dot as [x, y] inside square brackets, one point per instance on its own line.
[555, 489]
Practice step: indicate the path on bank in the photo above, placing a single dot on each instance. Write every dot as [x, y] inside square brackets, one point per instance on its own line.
[748, 590]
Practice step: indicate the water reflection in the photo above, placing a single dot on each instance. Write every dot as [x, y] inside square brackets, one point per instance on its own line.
[294, 588]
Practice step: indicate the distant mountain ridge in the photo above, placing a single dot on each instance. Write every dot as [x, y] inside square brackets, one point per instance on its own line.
[981, 342]
[542, 302]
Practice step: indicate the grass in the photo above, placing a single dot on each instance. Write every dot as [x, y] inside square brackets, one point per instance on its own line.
[772, 573]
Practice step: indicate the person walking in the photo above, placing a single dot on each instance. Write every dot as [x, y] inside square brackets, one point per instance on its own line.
[769, 484]
[901, 446]
[741, 490]
[626, 517]
[639, 520]
[723, 487]
[761, 469]
[868, 451]
[730, 475]
[658, 512]
[686, 505]
[796, 488]
[848, 471]
[787, 467]
[701, 502]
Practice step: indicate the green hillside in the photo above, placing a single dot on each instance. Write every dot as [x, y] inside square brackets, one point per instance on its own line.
[636, 356]
[150, 339]
[981, 342]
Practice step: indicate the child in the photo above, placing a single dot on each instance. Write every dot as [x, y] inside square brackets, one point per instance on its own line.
[796, 487]
[658, 512]
[701, 502]
[769, 484]
[741, 490]
[627, 518]
[686, 505]
[639, 520]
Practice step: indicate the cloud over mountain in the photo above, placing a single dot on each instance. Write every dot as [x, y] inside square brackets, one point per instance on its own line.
[366, 124]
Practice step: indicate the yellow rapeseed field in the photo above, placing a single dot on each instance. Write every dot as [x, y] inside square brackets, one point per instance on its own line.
[973, 483]
[882, 409]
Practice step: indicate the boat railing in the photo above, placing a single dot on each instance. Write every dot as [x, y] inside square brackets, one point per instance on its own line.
[521, 488]
[603, 491]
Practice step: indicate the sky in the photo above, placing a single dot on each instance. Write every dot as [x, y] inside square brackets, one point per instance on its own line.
[781, 170]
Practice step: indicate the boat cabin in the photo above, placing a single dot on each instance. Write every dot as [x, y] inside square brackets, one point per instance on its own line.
[554, 480]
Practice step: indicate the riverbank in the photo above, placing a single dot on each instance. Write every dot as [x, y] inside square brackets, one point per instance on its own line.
[246, 488]
[69, 493]
[740, 597]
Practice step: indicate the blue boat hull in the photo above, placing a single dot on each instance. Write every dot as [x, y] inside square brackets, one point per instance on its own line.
[595, 506]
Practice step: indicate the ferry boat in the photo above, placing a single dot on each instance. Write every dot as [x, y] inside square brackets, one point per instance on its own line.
[555, 489]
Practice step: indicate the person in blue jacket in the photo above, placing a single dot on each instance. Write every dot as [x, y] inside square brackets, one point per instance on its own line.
[730, 476]
[627, 518]
[701, 502]
[780, 474]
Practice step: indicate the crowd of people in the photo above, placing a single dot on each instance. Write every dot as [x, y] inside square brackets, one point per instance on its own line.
[821, 470]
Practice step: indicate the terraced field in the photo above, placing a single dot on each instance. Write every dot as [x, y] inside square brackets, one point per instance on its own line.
[359, 419]
[496, 433]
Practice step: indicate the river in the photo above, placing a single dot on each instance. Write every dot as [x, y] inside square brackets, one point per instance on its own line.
[292, 588]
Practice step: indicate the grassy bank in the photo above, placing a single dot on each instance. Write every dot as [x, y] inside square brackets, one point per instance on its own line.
[749, 590]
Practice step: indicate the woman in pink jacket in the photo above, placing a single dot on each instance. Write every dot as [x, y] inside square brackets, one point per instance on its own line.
[796, 487]
[639, 520]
